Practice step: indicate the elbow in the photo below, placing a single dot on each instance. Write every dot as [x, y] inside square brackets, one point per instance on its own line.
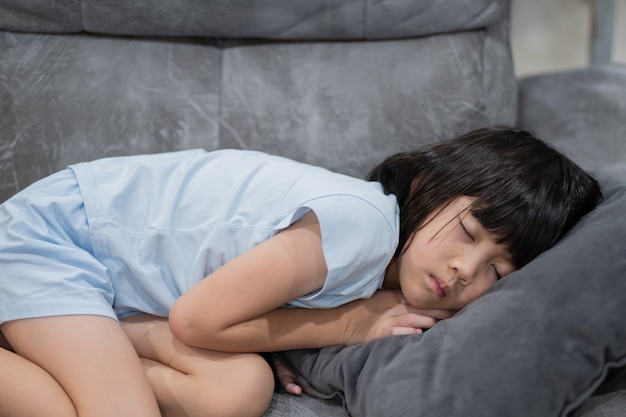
[191, 325]
[182, 325]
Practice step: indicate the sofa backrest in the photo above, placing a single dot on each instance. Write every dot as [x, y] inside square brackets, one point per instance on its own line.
[339, 83]
[266, 19]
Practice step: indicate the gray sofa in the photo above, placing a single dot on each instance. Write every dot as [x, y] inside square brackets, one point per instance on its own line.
[338, 83]
[335, 83]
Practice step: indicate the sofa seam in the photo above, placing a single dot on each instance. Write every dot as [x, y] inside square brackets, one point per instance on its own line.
[82, 15]
[365, 16]
[220, 92]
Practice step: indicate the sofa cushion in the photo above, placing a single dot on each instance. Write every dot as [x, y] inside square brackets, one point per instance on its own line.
[268, 19]
[348, 105]
[71, 98]
[538, 343]
[287, 405]
[341, 105]
[52, 16]
[612, 404]
[581, 111]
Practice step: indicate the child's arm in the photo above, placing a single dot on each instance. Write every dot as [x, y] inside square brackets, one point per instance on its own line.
[236, 308]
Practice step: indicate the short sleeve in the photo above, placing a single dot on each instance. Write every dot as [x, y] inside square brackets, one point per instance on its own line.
[359, 239]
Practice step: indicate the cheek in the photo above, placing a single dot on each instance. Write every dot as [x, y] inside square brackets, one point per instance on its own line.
[479, 289]
[406, 260]
[418, 251]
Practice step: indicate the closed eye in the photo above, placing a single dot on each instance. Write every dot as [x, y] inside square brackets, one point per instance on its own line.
[466, 231]
[498, 276]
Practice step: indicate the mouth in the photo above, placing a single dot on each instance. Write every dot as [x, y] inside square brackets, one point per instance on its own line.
[439, 287]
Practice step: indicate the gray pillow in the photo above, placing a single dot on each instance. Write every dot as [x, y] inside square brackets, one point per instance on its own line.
[536, 344]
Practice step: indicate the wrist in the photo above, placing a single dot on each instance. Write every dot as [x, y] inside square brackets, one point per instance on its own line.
[345, 328]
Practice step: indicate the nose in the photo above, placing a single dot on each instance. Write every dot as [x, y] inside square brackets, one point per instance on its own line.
[464, 269]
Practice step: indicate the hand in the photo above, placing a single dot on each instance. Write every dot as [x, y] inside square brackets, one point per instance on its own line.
[286, 378]
[386, 313]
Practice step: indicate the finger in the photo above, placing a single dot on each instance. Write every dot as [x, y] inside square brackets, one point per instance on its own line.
[287, 379]
[291, 387]
[416, 321]
[433, 312]
[398, 331]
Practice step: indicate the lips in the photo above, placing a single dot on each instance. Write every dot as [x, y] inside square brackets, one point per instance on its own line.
[438, 286]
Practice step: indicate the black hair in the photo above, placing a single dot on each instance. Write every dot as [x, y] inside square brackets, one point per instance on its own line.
[527, 193]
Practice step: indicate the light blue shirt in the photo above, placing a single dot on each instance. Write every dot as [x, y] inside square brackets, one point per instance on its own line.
[161, 223]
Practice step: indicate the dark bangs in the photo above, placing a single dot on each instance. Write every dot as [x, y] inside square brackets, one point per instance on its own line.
[527, 194]
[536, 200]
[526, 227]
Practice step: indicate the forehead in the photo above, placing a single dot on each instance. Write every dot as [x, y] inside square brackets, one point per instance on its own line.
[450, 209]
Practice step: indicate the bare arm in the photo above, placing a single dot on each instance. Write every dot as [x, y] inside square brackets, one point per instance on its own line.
[236, 309]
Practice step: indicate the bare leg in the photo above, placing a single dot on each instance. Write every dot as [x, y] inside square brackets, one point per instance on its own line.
[197, 382]
[92, 360]
[29, 391]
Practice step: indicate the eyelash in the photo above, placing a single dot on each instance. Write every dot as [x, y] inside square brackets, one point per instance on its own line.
[498, 276]
[466, 231]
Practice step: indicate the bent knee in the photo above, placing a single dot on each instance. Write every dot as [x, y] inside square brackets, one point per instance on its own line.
[245, 389]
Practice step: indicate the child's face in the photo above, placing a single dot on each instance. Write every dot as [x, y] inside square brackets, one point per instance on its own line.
[452, 260]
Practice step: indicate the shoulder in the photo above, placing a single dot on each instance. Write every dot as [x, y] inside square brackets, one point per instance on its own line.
[359, 235]
[361, 203]
[357, 225]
